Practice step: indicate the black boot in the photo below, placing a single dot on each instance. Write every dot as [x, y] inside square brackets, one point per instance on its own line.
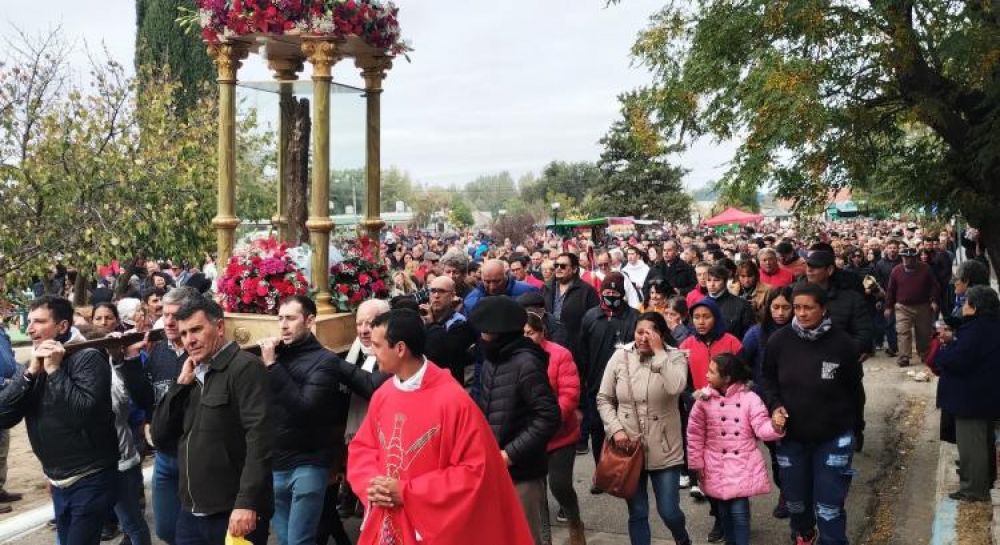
[781, 510]
[716, 535]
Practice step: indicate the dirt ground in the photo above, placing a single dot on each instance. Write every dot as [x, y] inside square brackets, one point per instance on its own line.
[24, 473]
[973, 523]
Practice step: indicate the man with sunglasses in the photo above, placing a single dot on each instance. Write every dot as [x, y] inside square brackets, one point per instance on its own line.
[568, 298]
[448, 333]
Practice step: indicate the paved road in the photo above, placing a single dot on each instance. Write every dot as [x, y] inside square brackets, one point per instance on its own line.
[891, 500]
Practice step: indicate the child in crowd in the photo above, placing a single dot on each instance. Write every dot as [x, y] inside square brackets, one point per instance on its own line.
[709, 339]
[723, 429]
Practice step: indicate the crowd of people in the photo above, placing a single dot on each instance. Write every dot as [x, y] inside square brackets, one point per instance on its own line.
[505, 361]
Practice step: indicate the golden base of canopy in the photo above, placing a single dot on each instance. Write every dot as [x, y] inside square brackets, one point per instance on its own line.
[334, 331]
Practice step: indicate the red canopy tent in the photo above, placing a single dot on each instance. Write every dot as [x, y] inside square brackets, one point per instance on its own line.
[733, 215]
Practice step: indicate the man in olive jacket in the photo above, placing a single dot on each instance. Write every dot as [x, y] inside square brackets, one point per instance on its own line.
[218, 413]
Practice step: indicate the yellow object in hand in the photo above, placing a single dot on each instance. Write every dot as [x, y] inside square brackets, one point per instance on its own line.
[235, 540]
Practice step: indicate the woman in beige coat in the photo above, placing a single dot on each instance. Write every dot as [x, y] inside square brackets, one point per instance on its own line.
[655, 374]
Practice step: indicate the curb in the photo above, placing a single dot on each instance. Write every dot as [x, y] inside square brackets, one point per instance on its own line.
[35, 519]
[995, 525]
[943, 530]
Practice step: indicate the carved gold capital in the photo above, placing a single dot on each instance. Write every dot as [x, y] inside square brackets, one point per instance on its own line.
[286, 69]
[373, 70]
[322, 54]
[228, 57]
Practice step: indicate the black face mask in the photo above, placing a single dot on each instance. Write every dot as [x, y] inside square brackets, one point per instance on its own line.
[614, 302]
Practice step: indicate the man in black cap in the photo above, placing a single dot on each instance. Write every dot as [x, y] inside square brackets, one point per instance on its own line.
[845, 306]
[912, 297]
[516, 397]
[602, 330]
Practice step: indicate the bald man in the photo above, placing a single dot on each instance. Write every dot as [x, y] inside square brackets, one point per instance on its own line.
[449, 336]
[496, 281]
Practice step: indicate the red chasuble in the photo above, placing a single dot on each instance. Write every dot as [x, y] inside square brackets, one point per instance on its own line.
[456, 489]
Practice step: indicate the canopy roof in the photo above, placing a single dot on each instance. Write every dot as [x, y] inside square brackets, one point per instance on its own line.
[733, 215]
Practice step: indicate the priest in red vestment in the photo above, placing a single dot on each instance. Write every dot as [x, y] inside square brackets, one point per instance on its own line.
[424, 461]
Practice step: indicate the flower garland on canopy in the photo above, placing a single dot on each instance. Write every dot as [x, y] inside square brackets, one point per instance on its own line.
[374, 21]
[358, 277]
[259, 276]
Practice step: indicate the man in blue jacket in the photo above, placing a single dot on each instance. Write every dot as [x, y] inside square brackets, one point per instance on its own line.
[496, 281]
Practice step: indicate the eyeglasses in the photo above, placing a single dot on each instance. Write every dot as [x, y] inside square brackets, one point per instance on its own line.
[438, 291]
[562, 265]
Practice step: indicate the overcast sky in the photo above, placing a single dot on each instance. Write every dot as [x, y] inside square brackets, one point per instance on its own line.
[492, 85]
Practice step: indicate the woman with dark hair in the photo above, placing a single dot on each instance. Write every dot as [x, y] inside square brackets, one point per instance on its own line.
[565, 383]
[638, 401]
[969, 363]
[106, 318]
[777, 314]
[676, 315]
[812, 380]
[749, 287]
[658, 291]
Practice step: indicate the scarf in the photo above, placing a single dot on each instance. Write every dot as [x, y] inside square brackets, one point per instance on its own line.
[812, 334]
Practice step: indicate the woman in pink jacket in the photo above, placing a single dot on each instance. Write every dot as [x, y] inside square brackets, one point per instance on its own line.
[725, 424]
[565, 382]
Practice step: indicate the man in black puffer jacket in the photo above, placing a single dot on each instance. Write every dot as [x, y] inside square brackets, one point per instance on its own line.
[65, 401]
[304, 384]
[519, 404]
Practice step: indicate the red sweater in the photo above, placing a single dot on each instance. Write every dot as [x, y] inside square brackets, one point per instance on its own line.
[780, 279]
[700, 354]
[916, 287]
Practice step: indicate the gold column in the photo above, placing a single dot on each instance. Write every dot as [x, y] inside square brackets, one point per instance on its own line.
[227, 57]
[285, 71]
[373, 71]
[322, 54]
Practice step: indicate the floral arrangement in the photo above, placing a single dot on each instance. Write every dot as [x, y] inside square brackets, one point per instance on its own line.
[259, 276]
[374, 21]
[358, 277]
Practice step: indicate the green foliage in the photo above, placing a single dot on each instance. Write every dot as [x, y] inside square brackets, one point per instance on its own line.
[460, 214]
[569, 181]
[898, 97]
[347, 188]
[256, 168]
[491, 193]
[161, 44]
[94, 174]
[637, 179]
[396, 186]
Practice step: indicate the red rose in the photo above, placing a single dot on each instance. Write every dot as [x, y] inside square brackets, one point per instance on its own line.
[356, 298]
[364, 279]
[342, 288]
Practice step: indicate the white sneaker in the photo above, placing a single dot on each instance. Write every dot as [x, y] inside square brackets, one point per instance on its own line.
[685, 481]
[696, 493]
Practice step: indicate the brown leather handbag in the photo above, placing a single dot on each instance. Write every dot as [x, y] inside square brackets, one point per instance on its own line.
[618, 471]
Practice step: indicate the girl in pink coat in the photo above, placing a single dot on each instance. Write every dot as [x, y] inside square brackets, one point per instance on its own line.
[725, 424]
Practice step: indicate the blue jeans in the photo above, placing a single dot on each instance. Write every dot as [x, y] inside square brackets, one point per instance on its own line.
[594, 428]
[890, 332]
[82, 507]
[298, 503]
[166, 502]
[735, 517]
[211, 529]
[668, 504]
[129, 508]
[815, 479]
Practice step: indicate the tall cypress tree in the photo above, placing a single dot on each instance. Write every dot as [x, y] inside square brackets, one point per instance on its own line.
[160, 43]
